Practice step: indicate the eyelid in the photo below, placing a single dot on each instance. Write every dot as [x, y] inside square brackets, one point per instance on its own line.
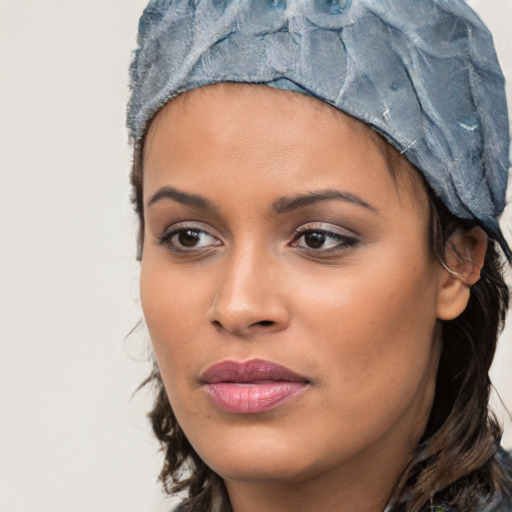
[325, 227]
[178, 227]
[346, 237]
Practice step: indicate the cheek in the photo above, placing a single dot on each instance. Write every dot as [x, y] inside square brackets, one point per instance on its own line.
[374, 330]
[172, 308]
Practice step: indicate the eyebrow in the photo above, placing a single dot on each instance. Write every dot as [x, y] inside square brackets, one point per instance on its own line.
[181, 197]
[282, 205]
[287, 204]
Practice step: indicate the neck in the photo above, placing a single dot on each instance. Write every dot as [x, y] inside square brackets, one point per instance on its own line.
[365, 487]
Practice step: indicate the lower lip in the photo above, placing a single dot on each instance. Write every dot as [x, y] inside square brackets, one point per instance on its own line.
[252, 397]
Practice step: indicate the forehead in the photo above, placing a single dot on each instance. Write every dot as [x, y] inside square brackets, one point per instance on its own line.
[286, 104]
[253, 117]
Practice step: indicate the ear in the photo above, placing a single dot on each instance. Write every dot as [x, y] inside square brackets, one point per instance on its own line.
[464, 258]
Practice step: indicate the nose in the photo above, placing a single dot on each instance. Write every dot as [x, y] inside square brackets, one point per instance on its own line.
[249, 298]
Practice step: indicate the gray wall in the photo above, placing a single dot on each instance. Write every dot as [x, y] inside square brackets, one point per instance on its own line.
[71, 437]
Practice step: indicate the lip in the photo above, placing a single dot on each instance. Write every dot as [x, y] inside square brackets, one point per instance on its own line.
[251, 387]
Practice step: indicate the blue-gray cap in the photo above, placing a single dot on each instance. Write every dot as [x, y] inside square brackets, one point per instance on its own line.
[422, 73]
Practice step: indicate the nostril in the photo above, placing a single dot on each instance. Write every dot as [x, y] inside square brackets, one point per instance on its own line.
[264, 322]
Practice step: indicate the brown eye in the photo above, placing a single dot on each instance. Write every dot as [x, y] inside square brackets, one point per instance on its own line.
[322, 241]
[189, 238]
[314, 239]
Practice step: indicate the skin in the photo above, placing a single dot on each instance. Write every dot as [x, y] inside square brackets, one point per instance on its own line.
[357, 314]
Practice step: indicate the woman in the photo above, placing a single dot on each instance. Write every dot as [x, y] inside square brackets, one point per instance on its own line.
[318, 186]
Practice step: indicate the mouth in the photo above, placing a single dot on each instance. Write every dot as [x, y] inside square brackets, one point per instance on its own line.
[251, 387]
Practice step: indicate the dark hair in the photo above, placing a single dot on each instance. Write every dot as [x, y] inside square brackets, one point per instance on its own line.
[458, 462]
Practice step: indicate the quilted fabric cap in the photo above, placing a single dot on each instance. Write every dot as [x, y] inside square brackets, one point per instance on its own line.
[422, 73]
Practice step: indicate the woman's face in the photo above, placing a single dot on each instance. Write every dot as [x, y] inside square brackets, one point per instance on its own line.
[287, 286]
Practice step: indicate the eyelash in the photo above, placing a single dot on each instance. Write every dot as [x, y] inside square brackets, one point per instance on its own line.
[342, 241]
[167, 239]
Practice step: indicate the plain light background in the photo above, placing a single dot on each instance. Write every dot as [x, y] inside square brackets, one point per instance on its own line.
[72, 438]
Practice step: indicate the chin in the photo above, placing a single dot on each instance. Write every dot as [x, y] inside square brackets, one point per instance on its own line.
[256, 456]
[269, 469]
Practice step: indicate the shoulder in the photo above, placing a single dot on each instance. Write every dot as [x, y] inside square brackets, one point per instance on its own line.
[505, 457]
[504, 499]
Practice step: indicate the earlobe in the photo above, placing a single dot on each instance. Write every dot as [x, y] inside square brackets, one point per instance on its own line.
[464, 258]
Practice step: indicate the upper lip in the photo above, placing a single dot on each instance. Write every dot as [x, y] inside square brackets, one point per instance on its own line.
[254, 370]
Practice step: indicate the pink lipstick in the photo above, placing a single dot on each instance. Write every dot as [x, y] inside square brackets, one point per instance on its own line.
[250, 387]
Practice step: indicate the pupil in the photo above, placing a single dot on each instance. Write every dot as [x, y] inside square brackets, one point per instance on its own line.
[315, 240]
[188, 238]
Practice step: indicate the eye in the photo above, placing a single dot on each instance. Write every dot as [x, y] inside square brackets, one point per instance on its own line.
[322, 240]
[187, 239]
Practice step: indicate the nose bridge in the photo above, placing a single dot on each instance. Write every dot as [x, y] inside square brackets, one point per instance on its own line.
[248, 296]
